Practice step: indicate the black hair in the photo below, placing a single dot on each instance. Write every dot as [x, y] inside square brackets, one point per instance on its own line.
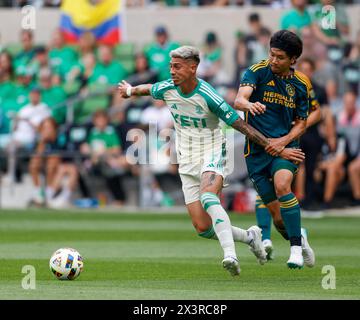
[254, 17]
[287, 41]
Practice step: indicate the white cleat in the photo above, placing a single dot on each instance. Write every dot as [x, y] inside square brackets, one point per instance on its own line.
[58, 203]
[231, 264]
[307, 252]
[269, 249]
[256, 245]
[296, 260]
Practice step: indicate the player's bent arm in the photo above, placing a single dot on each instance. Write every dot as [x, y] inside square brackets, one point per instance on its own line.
[249, 131]
[242, 98]
[242, 102]
[276, 145]
[314, 117]
[296, 131]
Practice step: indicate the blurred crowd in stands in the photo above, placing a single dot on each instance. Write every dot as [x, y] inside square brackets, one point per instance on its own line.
[170, 3]
[63, 122]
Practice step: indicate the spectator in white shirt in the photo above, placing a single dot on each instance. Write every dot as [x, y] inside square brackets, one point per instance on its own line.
[28, 120]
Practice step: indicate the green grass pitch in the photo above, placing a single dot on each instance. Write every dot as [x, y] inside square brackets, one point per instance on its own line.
[159, 256]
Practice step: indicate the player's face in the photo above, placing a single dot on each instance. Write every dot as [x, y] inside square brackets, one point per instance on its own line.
[280, 62]
[181, 70]
[306, 69]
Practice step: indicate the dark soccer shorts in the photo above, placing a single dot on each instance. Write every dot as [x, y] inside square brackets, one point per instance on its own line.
[262, 168]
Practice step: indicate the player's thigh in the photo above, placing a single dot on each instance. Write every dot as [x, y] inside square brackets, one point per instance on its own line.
[258, 166]
[199, 217]
[264, 187]
[190, 187]
[211, 182]
[283, 172]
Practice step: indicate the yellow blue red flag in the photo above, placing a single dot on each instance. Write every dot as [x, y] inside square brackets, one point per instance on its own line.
[102, 17]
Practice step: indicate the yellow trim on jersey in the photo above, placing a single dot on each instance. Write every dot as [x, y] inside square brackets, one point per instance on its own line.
[259, 65]
[248, 141]
[303, 79]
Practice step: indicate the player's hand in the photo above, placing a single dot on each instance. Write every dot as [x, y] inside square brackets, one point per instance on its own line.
[276, 146]
[256, 108]
[293, 154]
[123, 87]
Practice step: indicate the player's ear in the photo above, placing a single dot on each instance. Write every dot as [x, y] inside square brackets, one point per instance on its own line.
[193, 67]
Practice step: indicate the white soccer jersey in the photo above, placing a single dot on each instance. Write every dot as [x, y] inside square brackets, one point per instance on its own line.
[199, 138]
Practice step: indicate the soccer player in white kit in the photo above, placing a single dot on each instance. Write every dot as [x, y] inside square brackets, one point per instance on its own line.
[196, 109]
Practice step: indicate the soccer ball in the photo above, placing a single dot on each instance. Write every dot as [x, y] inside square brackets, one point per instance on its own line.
[66, 264]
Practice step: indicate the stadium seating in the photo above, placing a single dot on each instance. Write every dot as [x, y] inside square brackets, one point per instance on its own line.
[125, 53]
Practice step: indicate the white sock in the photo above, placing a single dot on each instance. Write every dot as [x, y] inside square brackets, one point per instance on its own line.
[49, 193]
[222, 227]
[36, 191]
[241, 235]
[221, 222]
[66, 193]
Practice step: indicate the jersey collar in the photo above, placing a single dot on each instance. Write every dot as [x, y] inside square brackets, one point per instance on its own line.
[191, 93]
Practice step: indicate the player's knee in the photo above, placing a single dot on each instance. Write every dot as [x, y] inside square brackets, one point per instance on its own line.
[282, 188]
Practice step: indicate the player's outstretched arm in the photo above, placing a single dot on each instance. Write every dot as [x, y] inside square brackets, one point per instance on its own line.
[255, 136]
[126, 90]
[249, 131]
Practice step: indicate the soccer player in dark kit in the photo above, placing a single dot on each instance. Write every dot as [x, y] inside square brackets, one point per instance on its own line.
[275, 99]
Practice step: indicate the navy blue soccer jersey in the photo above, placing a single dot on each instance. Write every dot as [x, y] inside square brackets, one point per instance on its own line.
[286, 99]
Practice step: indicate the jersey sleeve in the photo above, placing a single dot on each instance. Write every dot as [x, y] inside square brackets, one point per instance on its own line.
[303, 105]
[159, 88]
[313, 101]
[218, 105]
[250, 78]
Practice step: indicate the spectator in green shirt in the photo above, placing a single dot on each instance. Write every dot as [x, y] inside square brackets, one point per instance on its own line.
[61, 57]
[23, 84]
[210, 67]
[24, 58]
[106, 159]
[53, 96]
[107, 71]
[158, 52]
[297, 18]
[331, 23]
[7, 103]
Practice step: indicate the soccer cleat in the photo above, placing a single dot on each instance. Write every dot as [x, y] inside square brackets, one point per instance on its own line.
[307, 252]
[256, 246]
[269, 249]
[58, 203]
[231, 264]
[296, 260]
